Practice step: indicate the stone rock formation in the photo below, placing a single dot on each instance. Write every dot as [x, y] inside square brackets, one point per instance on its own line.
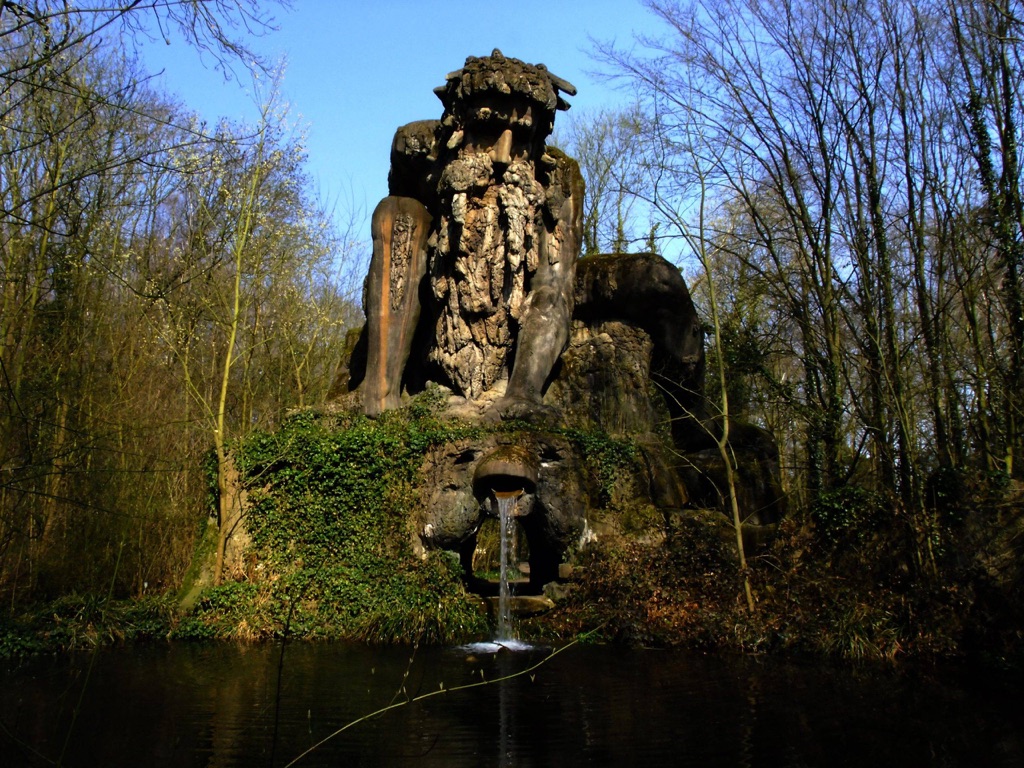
[475, 285]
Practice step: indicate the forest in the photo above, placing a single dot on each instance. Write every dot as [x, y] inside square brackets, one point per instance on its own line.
[168, 285]
[839, 181]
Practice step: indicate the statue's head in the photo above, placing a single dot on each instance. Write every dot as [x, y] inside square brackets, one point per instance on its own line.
[502, 107]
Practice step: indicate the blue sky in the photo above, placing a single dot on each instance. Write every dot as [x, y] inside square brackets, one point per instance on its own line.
[357, 69]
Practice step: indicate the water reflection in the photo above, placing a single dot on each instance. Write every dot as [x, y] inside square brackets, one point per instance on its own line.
[188, 705]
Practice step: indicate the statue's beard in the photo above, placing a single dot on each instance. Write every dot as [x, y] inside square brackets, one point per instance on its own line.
[487, 247]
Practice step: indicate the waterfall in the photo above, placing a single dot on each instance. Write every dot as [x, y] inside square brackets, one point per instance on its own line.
[509, 560]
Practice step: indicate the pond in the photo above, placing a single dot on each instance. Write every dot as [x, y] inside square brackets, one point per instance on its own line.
[220, 705]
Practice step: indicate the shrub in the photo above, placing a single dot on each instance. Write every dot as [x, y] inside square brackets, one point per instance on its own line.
[848, 514]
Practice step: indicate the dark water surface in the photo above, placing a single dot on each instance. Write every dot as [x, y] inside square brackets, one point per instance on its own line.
[214, 705]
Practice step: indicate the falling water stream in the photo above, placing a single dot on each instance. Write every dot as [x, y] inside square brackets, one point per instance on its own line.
[506, 521]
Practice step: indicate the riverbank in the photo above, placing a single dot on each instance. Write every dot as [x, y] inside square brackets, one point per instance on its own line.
[681, 594]
[329, 555]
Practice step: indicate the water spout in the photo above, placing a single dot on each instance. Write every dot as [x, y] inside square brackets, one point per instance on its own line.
[506, 500]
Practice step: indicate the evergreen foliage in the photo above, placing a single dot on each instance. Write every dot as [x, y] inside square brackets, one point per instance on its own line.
[327, 510]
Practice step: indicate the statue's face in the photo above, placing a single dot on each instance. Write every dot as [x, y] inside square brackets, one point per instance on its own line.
[500, 126]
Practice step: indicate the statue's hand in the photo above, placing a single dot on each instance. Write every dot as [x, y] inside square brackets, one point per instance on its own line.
[522, 409]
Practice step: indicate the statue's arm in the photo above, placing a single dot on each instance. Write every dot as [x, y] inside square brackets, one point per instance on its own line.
[400, 227]
[544, 331]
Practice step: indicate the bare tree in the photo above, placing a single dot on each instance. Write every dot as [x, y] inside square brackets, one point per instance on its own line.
[861, 163]
[608, 147]
[125, 222]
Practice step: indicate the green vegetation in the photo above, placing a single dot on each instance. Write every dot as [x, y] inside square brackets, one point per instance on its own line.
[327, 510]
[328, 503]
[612, 461]
[76, 622]
[329, 557]
[843, 592]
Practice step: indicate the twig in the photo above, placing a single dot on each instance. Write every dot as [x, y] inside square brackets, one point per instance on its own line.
[438, 692]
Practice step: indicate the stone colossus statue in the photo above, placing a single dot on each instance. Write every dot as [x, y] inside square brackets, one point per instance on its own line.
[493, 219]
